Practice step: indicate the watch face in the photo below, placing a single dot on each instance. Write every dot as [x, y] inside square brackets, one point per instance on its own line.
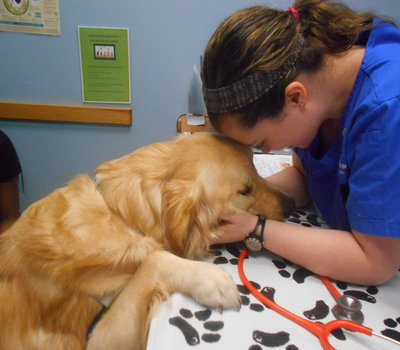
[253, 244]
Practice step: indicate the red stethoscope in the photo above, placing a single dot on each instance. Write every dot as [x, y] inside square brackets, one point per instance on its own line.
[349, 307]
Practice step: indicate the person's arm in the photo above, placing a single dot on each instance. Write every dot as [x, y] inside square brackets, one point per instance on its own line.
[292, 181]
[345, 256]
[9, 203]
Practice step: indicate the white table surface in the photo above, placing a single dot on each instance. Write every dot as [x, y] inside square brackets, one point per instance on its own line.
[182, 324]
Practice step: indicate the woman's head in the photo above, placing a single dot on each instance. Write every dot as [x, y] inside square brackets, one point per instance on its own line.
[268, 48]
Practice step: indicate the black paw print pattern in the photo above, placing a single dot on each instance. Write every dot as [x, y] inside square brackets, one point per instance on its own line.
[245, 299]
[271, 340]
[319, 312]
[258, 347]
[190, 333]
[303, 218]
[321, 309]
[299, 275]
[367, 296]
[390, 331]
[233, 248]
[260, 337]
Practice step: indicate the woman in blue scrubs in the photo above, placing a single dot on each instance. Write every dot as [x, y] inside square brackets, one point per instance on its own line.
[323, 80]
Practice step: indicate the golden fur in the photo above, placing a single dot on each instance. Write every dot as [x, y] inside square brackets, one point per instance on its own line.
[126, 241]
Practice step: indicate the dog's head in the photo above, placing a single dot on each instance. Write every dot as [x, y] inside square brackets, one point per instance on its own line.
[176, 190]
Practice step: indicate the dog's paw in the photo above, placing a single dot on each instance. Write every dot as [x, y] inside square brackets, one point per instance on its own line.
[210, 285]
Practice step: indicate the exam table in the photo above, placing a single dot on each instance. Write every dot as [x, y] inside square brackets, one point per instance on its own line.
[181, 324]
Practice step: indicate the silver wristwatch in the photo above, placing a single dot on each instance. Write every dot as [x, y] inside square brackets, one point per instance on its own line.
[255, 239]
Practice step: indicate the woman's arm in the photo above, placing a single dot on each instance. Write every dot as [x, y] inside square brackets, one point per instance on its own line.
[292, 181]
[346, 256]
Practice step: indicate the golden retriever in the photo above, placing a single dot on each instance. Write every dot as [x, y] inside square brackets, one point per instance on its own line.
[124, 241]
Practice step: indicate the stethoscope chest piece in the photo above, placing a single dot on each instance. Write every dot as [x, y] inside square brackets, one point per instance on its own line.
[348, 308]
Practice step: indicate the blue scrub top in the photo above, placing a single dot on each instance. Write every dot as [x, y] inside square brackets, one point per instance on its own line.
[356, 184]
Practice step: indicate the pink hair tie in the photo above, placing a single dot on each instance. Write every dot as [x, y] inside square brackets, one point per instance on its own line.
[294, 12]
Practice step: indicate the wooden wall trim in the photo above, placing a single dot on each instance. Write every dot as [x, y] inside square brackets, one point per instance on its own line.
[65, 113]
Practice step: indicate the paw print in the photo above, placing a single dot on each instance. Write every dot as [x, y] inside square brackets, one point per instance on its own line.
[390, 332]
[367, 296]
[260, 337]
[303, 218]
[258, 347]
[299, 275]
[271, 340]
[190, 333]
[245, 299]
[319, 312]
[231, 248]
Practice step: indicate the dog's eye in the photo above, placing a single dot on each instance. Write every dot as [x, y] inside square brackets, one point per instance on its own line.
[246, 191]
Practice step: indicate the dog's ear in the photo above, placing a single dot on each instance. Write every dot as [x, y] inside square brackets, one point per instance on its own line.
[131, 186]
[190, 218]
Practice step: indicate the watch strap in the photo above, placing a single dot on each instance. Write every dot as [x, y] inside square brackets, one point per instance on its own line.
[255, 239]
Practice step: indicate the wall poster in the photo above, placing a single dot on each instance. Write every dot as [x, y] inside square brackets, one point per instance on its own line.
[30, 16]
[104, 54]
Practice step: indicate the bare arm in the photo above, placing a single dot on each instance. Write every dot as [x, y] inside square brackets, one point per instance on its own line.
[341, 255]
[292, 181]
[346, 256]
[9, 204]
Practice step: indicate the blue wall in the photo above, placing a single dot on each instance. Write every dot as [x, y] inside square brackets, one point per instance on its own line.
[166, 40]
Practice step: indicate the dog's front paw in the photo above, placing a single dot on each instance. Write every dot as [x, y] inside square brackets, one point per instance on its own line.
[210, 285]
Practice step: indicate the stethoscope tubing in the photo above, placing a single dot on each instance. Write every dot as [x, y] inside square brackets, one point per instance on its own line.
[322, 331]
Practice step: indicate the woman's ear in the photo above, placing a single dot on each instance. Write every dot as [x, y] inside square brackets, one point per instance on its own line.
[296, 94]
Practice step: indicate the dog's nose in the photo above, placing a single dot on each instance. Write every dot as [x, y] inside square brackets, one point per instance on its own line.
[289, 207]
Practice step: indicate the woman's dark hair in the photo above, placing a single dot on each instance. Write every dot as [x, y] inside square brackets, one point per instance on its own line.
[260, 38]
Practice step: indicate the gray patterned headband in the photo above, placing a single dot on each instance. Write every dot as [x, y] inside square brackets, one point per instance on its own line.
[247, 90]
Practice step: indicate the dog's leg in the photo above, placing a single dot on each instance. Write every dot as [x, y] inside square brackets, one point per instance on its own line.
[126, 323]
[47, 296]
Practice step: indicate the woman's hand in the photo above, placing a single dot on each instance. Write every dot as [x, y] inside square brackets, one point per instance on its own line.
[235, 227]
